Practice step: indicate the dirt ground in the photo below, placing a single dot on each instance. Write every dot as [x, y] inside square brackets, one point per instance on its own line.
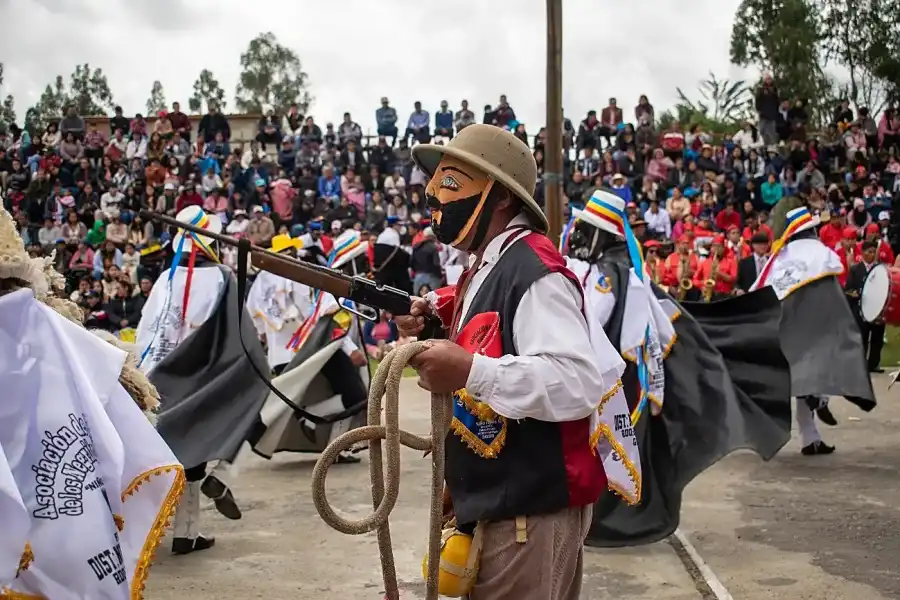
[817, 528]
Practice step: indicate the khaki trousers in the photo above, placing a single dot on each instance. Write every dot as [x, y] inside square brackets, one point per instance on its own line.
[548, 566]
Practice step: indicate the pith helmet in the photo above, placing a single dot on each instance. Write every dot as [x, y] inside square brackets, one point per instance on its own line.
[497, 152]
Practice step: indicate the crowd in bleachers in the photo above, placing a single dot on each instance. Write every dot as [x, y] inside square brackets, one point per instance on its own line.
[77, 188]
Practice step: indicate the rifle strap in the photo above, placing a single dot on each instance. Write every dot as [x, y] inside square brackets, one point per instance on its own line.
[243, 256]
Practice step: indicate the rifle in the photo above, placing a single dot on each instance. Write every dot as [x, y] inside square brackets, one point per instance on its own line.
[358, 289]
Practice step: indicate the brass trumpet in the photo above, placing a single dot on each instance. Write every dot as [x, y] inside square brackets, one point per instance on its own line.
[685, 284]
[711, 282]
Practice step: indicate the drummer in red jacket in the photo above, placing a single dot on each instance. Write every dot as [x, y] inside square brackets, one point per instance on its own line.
[849, 251]
[885, 254]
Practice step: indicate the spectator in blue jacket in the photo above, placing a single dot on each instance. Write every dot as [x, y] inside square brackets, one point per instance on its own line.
[418, 125]
[443, 121]
[386, 118]
[330, 186]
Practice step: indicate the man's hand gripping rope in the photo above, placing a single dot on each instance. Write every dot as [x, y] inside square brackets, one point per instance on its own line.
[385, 488]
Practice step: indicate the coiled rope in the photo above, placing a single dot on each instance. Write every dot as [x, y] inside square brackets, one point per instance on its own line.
[386, 482]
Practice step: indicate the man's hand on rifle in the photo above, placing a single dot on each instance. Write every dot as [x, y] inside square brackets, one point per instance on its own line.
[411, 325]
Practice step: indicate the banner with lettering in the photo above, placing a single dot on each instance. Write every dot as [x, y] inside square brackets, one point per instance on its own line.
[75, 443]
[14, 518]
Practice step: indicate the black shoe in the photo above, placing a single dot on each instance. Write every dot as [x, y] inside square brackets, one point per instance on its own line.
[218, 492]
[817, 448]
[825, 416]
[347, 459]
[812, 402]
[188, 545]
[876, 370]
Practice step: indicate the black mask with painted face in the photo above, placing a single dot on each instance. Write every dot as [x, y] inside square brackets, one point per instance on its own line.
[455, 215]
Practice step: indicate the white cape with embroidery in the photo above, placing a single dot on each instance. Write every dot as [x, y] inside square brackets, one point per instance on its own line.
[162, 327]
[799, 262]
[613, 431]
[97, 482]
[277, 307]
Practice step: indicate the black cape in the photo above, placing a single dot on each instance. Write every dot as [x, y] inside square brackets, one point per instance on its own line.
[727, 388]
[822, 342]
[210, 394]
[392, 267]
[304, 382]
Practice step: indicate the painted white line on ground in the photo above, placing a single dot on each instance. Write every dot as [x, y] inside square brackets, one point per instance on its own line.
[712, 581]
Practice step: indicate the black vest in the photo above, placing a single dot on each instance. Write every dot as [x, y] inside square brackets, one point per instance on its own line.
[528, 472]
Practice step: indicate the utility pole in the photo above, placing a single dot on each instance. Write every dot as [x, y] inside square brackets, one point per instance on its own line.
[553, 159]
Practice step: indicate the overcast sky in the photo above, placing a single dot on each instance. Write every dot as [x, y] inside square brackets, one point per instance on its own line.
[356, 51]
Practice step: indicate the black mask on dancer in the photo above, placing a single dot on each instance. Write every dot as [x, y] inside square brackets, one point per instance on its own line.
[588, 243]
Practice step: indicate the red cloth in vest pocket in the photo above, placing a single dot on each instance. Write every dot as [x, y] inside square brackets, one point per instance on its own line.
[481, 335]
[444, 304]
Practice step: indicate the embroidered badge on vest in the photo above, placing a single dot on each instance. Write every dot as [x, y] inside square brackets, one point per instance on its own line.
[483, 431]
[603, 285]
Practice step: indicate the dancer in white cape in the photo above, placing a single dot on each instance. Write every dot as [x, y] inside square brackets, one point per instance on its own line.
[644, 333]
[327, 373]
[190, 345]
[819, 334]
[85, 480]
[278, 306]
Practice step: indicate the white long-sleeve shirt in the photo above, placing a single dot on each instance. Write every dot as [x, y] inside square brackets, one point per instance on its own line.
[659, 222]
[554, 377]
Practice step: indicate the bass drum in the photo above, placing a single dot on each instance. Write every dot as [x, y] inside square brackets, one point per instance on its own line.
[880, 297]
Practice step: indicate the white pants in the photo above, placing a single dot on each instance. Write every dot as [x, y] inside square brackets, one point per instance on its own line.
[806, 423]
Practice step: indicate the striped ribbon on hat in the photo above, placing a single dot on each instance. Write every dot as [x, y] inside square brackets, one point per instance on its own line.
[794, 222]
[564, 238]
[200, 220]
[306, 327]
[598, 207]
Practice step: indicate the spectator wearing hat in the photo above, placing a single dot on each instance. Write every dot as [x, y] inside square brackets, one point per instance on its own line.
[261, 229]
[725, 274]
[239, 223]
[849, 251]
[619, 187]
[673, 273]
[883, 253]
[735, 243]
[655, 265]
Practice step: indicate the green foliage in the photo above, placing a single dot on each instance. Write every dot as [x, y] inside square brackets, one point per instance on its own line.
[157, 100]
[781, 37]
[8, 108]
[49, 107]
[89, 91]
[206, 90]
[271, 76]
[861, 36]
[721, 100]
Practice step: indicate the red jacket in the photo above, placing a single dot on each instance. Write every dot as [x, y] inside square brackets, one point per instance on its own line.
[670, 275]
[830, 233]
[725, 220]
[727, 266]
[748, 233]
[847, 262]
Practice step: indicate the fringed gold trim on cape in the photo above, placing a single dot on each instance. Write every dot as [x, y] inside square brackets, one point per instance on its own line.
[476, 444]
[160, 524]
[604, 431]
[26, 560]
[480, 410]
[8, 594]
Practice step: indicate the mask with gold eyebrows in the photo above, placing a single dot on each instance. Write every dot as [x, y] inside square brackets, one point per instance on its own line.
[457, 196]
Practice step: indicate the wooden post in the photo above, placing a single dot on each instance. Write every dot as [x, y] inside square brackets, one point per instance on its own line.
[553, 158]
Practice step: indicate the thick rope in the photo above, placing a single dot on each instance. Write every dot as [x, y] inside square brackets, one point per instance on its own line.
[385, 488]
